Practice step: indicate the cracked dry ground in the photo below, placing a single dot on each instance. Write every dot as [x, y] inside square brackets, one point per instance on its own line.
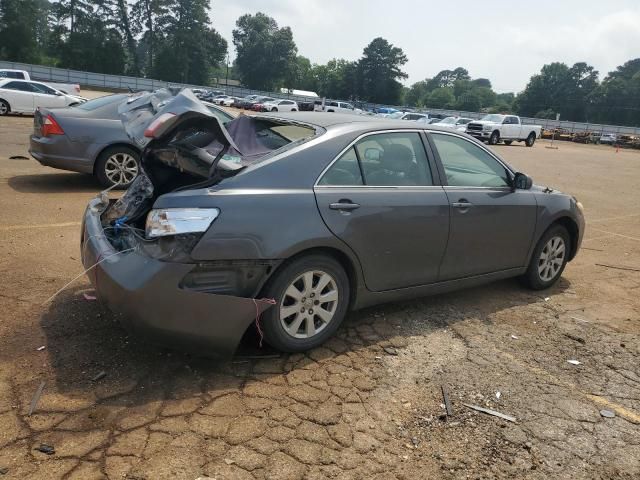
[350, 410]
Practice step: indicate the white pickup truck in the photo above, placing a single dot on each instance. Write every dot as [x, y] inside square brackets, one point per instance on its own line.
[68, 88]
[496, 128]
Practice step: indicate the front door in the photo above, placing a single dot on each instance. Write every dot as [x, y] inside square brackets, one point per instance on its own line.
[379, 198]
[492, 225]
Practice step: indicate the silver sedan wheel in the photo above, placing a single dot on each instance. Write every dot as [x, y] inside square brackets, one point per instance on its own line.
[4, 108]
[309, 304]
[551, 259]
[121, 168]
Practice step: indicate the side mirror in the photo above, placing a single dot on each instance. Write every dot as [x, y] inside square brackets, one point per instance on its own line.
[504, 122]
[522, 181]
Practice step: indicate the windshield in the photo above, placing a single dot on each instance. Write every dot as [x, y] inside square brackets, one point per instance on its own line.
[448, 120]
[493, 118]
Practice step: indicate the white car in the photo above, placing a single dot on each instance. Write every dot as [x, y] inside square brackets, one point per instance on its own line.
[456, 123]
[218, 99]
[415, 116]
[69, 88]
[495, 128]
[340, 107]
[280, 106]
[21, 96]
[609, 138]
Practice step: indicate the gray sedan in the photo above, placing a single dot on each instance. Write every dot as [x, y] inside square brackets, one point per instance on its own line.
[90, 138]
[288, 222]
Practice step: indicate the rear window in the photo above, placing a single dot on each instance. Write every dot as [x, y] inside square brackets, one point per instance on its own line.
[101, 102]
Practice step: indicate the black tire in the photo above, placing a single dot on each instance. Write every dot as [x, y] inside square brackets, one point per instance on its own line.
[508, 142]
[531, 139]
[101, 165]
[274, 330]
[532, 277]
[294, 110]
[5, 108]
[274, 109]
[494, 138]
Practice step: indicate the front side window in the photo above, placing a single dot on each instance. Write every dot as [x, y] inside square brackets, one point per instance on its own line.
[468, 165]
[41, 88]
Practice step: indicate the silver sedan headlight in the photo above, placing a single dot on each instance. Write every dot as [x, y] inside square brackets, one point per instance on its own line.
[176, 221]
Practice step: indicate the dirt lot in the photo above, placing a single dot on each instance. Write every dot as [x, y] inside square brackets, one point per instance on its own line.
[369, 405]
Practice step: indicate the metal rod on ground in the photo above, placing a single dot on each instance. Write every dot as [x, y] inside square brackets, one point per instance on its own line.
[36, 398]
[447, 401]
[491, 412]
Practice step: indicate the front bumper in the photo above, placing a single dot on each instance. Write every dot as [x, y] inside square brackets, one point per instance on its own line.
[481, 134]
[148, 295]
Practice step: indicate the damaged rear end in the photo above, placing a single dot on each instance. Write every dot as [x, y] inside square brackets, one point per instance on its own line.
[140, 257]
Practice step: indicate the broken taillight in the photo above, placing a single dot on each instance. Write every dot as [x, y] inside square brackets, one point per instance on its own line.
[51, 127]
[156, 124]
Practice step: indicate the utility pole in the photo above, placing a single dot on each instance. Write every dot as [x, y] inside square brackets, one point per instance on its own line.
[226, 82]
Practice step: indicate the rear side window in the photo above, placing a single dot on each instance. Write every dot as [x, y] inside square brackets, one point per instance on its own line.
[344, 172]
[20, 86]
[468, 165]
[385, 159]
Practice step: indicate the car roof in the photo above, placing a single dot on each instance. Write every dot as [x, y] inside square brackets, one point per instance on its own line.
[353, 121]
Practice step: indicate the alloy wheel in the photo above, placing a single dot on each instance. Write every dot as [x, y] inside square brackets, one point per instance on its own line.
[121, 168]
[551, 259]
[4, 109]
[309, 304]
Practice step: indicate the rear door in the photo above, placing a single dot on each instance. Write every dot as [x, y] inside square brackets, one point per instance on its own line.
[383, 198]
[492, 225]
[19, 96]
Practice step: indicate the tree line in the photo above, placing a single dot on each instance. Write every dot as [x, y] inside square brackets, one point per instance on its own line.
[174, 40]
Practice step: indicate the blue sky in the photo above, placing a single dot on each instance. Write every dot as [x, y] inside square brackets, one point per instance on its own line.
[505, 41]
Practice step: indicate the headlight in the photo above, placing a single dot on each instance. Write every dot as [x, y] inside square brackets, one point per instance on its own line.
[487, 127]
[175, 221]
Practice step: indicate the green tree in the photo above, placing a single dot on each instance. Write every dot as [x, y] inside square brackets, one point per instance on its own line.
[617, 99]
[191, 47]
[440, 98]
[23, 29]
[265, 52]
[380, 70]
[416, 94]
[149, 20]
[447, 78]
[469, 101]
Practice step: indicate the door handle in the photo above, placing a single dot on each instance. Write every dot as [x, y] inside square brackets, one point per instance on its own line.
[462, 204]
[345, 205]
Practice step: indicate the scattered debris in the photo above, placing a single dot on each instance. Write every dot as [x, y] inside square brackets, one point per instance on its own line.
[36, 398]
[47, 449]
[378, 357]
[39, 349]
[515, 337]
[546, 299]
[498, 395]
[618, 267]
[594, 249]
[99, 376]
[578, 319]
[607, 413]
[390, 351]
[228, 461]
[4, 470]
[89, 298]
[447, 401]
[491, 412]
[575, 338]
[574, 362]
[18, 157]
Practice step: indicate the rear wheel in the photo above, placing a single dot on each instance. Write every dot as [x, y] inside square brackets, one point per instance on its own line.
[4, 107]
[117, 166]
[312, 298]
[531, 139]
[549, 258]
[508, 142]
[494, 138]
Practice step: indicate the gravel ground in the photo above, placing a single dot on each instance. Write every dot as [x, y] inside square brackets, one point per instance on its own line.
[369, 403]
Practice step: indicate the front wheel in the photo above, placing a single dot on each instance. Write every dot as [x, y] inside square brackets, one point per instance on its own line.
[117, 167]
[274, 109]
[312, 299]
[549, 259]
[494, 138]
[531, 139]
